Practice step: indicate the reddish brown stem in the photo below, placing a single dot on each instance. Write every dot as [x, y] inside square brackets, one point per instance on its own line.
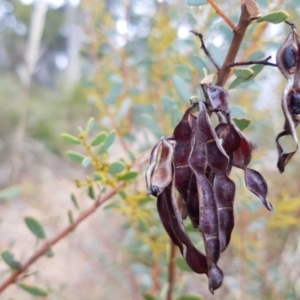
[222, 15]
[171, 271]
[63, 233]
[239, 34]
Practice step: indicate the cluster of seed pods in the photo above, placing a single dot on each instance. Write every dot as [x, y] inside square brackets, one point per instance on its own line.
[189, 175]
[288, 62]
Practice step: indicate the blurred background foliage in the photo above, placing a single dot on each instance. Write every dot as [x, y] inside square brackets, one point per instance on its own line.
[132, 66]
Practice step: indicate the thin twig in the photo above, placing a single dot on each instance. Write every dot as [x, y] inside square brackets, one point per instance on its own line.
[222, 15]
[63, 233]
[171, 271]
[239, 34]
[293, 26]
[203, 47]
[254, 62]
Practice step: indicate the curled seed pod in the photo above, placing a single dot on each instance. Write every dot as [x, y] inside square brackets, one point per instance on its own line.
[162, 175]
[231, 143]
[223, 186]
[289, 104]
[286, 57]
[254, 181]
[219, 98]
[239, 149]
[283, 158]
[208, 208]
[170, 215]
[182, 136]
[291, 110]
[288, 63]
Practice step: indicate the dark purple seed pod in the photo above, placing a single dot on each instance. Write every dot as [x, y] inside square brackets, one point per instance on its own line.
[182, 136]
[170, 215]
[254, 181]
[193, 208]
[239, 151]
[223, 186]
[208, 208]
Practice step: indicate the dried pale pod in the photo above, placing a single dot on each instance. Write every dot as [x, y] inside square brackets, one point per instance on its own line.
[162, 175]
[152, 165]
[286, 58]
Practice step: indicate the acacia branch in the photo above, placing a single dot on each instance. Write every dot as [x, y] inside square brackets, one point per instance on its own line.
[63, 233]
[218, 10]
[238, 37]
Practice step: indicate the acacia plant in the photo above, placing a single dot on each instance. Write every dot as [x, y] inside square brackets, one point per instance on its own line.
[190, 169]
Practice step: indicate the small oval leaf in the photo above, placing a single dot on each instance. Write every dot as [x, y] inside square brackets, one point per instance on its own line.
[86, 162]
[241, 123]
[33, 289]
[35, 227]
[49, 253]
[274, 17]
[70, 139]
[91, 192]
[10, 192]
[235, 83]
[74, 200]
[116, 167]
[129, 176]
[108, 142]
[99, 139]
[8, 258]
[70, 216]
[75, 156]
[97, 176]
[256, 69]
[113, 95]
[90, 125]
[243, 73]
